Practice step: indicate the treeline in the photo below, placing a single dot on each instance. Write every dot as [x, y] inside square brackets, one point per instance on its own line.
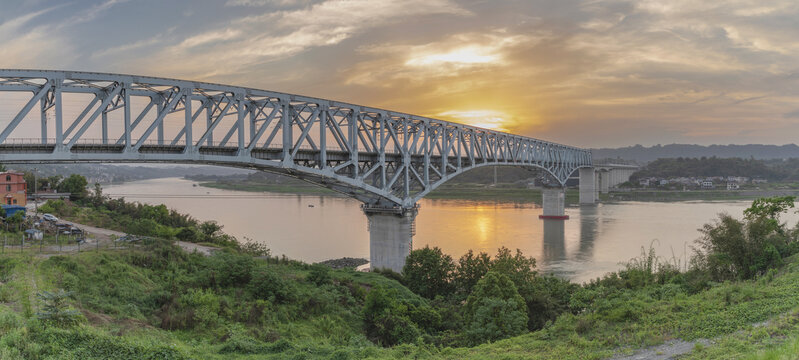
[713, 166]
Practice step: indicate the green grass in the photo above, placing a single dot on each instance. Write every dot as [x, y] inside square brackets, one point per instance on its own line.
[122, 295]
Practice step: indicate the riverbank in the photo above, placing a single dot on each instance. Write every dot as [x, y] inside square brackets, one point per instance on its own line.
[710, 195]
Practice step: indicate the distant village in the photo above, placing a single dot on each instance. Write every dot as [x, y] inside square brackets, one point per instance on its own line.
[707, 183]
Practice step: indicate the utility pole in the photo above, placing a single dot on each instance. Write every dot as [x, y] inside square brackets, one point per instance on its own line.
[35, 204]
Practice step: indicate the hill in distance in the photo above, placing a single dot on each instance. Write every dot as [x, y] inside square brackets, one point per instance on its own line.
[643, 154]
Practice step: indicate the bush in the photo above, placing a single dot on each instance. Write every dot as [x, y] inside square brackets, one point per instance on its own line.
[55, 310]
[734, 249]
[494, 310]
[204, 306]
[547, 297]
[266, 284]
[387, 322]
[231, 269]
[428, 272]
[320, 275]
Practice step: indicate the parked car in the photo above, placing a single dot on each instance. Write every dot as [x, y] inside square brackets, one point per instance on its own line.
[50, 217]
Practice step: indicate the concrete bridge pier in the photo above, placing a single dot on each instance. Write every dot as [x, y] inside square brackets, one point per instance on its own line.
[588, 182]
[604, 181]
[391, 231]
[554, 204]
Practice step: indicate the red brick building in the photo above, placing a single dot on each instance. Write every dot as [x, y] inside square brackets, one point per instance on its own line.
[13, 188]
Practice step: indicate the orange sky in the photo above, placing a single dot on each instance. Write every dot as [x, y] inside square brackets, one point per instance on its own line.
[586, 73]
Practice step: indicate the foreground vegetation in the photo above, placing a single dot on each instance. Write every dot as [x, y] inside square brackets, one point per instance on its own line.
[157, 301]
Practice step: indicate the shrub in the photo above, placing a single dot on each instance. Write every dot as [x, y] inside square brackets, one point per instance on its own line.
[428, 272]
[204, 306]
[231, 269]
[266, 284]
[494, 310]
[739, 249]
[386, 320]
[55, 310]
[320, 275]
[547, 297]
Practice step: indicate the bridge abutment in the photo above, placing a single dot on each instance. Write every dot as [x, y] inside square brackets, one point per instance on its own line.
[588, 182]
[554, 204]
[391, 231]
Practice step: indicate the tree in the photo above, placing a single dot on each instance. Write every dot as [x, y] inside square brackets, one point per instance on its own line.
[471, 268]
[16, 219]
[55, 310]
[75, 185]
[97, 196]
[428, 272]
[494, 310]
[732, 248]
[210, 228]
[387, 321]
[520, 269]
[769, 207]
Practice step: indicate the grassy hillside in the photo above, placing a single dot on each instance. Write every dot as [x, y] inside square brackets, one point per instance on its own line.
[154, 300]
[161, 303]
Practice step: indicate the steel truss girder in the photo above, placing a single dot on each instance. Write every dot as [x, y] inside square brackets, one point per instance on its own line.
[378, 156]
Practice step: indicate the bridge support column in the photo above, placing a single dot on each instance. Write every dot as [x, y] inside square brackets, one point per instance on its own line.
[604, 181]
[554, 204]
[391, 231]
[587, 186]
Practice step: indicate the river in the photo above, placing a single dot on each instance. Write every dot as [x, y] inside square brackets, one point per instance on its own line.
[594, 241]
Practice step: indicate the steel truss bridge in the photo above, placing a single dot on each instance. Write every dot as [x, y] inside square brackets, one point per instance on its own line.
[375, 155]
[386, 159]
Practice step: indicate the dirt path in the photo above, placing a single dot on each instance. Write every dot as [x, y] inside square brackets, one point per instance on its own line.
[673, 349]
[106, 236]
[668, 350]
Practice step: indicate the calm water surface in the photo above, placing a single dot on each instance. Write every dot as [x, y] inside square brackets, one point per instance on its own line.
[314, 228]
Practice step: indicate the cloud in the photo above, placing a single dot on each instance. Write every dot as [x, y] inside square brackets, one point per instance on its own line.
[27, 45]
[258, 39]
[586, 72]
[791, 115]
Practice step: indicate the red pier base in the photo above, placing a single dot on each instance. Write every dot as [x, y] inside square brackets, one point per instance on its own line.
[554, 217]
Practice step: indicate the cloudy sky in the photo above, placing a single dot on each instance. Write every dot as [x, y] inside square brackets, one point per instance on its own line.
[588, 73]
